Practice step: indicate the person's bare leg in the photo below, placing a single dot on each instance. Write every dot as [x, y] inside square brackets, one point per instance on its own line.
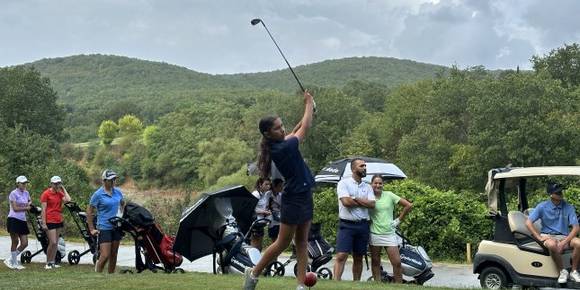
[376, 263]
[395, 258]
[301, 242]
[339, 262]
[113, 256]
[357, 266]
[104, 253]
[14, 242]
[575, 244]
[23, 243]
[552, 246]
[274, 250]
[52, 236]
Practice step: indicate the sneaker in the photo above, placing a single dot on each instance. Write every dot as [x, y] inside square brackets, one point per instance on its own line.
[563, 276]
[19, 266]
[575, 276]
[300, 287]
[55, 266]
[250, 282]
[9, 264]
[48, 267]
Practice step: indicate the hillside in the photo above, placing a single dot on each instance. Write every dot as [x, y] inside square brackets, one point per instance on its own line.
[98, 87]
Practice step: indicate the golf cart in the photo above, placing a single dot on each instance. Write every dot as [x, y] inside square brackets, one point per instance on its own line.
[514, 256]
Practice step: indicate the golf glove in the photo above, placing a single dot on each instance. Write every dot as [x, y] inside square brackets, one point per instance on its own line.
[396, 222]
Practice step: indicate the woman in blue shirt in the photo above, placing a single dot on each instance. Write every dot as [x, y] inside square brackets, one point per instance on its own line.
[108, 202]
[296, 208]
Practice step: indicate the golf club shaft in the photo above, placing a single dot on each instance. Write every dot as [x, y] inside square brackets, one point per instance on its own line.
[284, 57]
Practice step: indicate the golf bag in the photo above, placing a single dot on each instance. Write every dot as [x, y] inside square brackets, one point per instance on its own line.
[414, 261]
[319, 250]
[34, 217]
[150, 241]
[80, 219]
[319, 253]
[231, 253]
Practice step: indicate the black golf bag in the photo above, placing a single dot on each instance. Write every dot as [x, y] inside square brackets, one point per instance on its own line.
[34, 217]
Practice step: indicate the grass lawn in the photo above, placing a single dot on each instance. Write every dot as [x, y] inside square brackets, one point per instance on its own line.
[83, 277]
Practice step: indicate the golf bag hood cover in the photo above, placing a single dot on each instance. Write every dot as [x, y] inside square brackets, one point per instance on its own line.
[138, 215]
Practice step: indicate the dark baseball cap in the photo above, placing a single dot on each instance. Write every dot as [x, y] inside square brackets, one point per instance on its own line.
[556, 188]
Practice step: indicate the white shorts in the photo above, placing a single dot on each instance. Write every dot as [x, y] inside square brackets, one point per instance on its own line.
[389, 240]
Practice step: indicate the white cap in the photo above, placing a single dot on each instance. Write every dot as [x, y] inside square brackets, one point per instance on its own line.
[55, 179]
[108, 174]
[21, 179]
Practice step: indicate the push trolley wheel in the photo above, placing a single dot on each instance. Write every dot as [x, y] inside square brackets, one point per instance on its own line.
[178, 270]
[493, 278]
[275, 269]
[26, 257]
[324, 273]
[74, 257]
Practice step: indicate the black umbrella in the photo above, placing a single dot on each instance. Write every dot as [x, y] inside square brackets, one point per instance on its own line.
[338, 169]
[199, 224]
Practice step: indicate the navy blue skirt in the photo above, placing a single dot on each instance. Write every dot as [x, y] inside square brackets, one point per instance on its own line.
[296, 208]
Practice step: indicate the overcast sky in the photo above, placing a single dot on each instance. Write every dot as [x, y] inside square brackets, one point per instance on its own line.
[215, 36]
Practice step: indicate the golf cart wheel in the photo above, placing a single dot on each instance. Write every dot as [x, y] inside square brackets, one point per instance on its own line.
[275, 269]
[58, 257]
[324, 273]
[493, 278]
[178, 270]
[296, 268]
[74, 257]
[26, 257]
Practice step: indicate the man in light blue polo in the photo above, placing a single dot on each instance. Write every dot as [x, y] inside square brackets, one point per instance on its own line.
[557, 217]
[355, 197]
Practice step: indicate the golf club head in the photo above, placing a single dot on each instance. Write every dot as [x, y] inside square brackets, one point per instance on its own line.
[256, 21]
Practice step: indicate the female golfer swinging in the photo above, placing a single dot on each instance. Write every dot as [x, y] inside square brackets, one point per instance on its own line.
[296, 208]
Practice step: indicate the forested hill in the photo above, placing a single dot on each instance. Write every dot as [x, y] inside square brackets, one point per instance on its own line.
[85, 76]
[98, 87]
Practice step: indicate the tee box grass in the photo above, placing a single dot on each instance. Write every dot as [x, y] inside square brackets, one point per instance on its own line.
[84, 277]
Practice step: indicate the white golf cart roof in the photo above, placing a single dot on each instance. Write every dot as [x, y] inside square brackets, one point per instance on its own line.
[497, 174]
[538, 171]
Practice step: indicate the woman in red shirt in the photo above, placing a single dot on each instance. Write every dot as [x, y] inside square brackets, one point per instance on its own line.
[52, 222]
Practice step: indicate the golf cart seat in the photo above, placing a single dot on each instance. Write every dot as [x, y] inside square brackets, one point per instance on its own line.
[523, 236]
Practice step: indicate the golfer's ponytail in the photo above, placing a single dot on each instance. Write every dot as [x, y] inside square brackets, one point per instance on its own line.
[264, 158]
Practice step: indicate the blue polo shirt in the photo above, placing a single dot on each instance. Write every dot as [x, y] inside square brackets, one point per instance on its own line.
[556, 219]
[290, 163]
[107, 207]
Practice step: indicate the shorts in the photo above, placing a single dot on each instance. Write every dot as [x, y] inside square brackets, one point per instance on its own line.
[296, 208]
[53, 226]
[16, 226]
[353, 237]
[557, 238]
[273, 232]
[388, 240]
[109, 236]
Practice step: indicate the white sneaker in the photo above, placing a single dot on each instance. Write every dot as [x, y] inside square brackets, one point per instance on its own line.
[575, 276]
[48, 267]
[563, 276]
[300, 287]
[9, 264]
[55, 266]
[19, 266]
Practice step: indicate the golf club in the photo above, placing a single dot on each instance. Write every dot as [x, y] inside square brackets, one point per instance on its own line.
[258, 20]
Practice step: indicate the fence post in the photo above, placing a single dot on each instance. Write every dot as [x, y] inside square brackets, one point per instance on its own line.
[468, 252]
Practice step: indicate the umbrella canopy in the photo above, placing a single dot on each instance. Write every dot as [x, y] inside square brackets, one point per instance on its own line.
[199, 224]
[339, 169]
